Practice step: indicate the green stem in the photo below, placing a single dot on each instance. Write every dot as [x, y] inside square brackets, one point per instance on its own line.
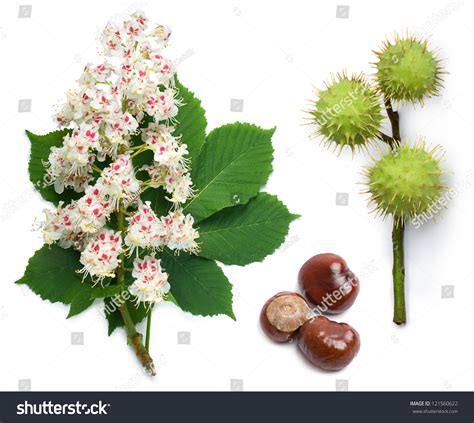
[135, 339]
[399, 314]
[144, 188]
[146, 183]
[140, 150]
[135, 147]
[96, 168]
[398, 270]
[148, 330]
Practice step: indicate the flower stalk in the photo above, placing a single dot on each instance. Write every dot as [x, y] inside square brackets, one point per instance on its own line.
[135, 339]
[148, 329]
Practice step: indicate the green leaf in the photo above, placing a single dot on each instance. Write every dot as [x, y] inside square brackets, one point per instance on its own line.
[246, 233]
[82, 301]
[198, 285]
[191, 122]
[40, 149]
[158, 202]
[107, 291]
[170, 297]
[51, 273]
[234, 164]
[144, 158]
[114, 317]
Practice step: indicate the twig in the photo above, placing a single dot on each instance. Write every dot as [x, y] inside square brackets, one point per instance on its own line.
[398, 271]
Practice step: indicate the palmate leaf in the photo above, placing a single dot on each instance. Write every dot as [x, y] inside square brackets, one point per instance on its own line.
[40, 149]
[235, 162]
[245, 234]
[51, 273]
[198, 285]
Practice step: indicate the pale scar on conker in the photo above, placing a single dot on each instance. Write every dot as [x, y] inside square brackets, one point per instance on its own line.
[283, 314]
[327, 344]
[327, 282]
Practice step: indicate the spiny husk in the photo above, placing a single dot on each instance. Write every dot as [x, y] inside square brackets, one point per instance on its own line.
[407, 70]
[347, 112]
[406, 182]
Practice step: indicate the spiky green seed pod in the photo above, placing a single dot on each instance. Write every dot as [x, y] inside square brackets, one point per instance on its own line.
[407, 70]
[406, 182]
[347, 112]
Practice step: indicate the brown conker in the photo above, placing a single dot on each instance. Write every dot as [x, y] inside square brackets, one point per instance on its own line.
[327, 344]
[283, 314]
[327, 282]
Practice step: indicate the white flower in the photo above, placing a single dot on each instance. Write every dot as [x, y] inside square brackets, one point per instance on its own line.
[137, 81]
[92, 210]
[100, 257]
[58, 226]
[117, 127]
[61, 173]
[70, 110]
[180, 186]
[112, 40]
[175, 182]
[118, 180]
[103, 99]
[145, 230]
[165, 69]
[73, 224]
[162, 105]
[166, 148]
[93, 74]
[151, 283]
[135, 27]
[79, 145]
[161, 35]
[182, 235]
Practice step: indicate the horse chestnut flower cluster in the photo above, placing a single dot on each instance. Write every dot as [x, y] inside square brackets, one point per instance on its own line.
[328, 284]
[131, 95]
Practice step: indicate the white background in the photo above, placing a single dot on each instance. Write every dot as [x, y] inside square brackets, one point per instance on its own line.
[270, 54]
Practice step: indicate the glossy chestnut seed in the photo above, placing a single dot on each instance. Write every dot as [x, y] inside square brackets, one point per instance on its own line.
[327, 282]
[283, 314]
[327, 344]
